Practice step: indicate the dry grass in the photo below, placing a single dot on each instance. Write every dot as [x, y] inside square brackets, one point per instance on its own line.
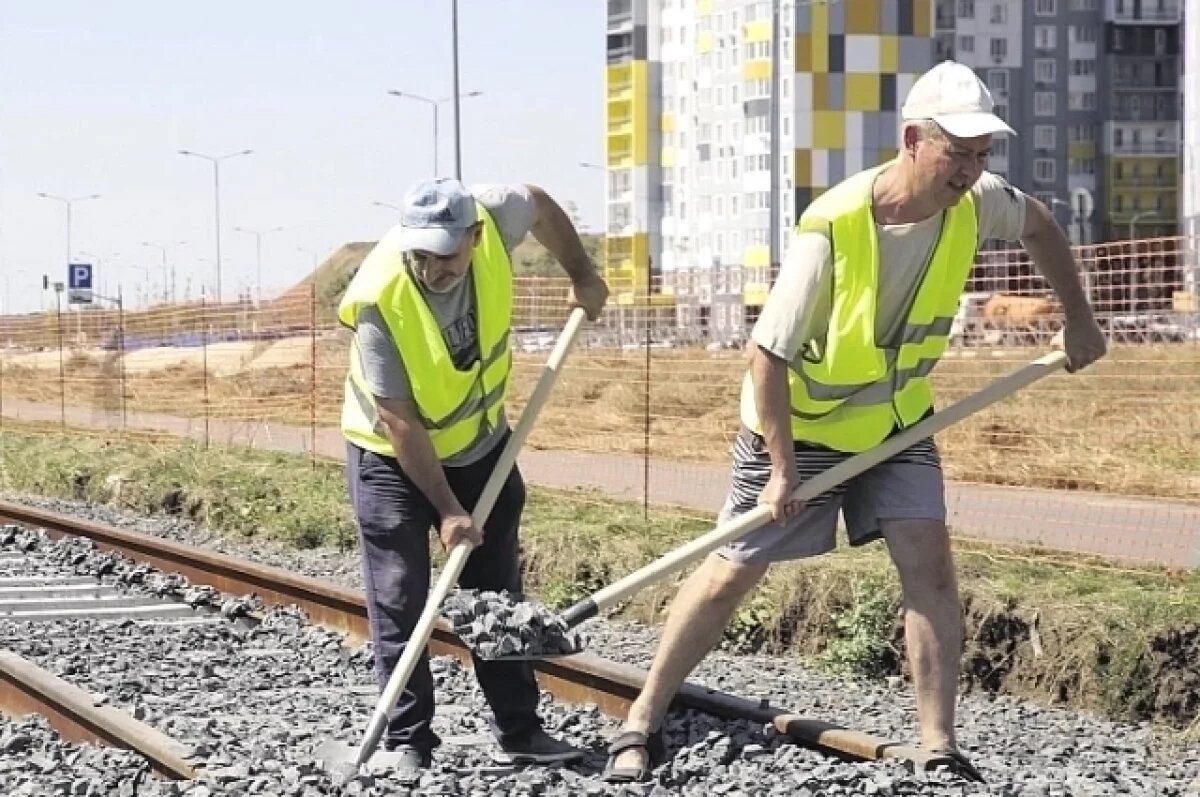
[1131, 424]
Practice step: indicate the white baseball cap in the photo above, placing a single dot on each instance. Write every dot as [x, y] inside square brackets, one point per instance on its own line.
[954, 97]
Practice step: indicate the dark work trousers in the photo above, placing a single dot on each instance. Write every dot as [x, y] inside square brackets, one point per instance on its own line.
[394, 519]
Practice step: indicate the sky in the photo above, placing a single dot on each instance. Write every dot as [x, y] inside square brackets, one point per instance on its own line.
[97, 98]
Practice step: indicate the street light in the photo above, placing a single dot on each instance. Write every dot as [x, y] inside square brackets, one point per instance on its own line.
[387, 205]
[432, 103]
[168, 285]
[1141, 214]
[258, 236]
[68, 201]
[587, 165]
[1071, 219]
[216, 162]
[311, 254]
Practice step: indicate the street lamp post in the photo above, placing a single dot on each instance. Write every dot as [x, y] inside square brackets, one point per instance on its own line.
[169, 285]
[258, 236]
[68, 201]
[434, 103]
[1141, 214]
[311, 254]
[216, 162]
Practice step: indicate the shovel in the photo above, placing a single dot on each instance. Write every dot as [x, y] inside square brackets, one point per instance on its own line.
[684, 555]
[342, 756]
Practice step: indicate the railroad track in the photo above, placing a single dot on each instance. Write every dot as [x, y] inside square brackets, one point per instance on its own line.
[51, 593]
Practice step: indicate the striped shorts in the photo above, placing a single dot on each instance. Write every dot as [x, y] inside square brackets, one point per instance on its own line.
[906, 486]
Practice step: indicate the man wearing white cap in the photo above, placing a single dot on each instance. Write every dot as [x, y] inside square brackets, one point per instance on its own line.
[423, 417]
[859, 315]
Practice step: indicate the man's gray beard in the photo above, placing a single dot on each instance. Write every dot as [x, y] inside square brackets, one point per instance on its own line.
[447, 288]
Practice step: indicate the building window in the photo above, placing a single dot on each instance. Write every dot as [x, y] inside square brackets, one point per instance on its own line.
[1045, 8]
[997, 80]
[1044, 103]
[1044, 137]
[966, 44]
[1000, 147]
[1045, 37]
[998, 49]
[1083, 66]
[1043, 170]
[966, 8]
[1085, 33]
[1045, 70]
[999, 13]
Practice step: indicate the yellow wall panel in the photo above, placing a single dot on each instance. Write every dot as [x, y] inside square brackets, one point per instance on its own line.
[889, 55]
[641, 112]
[829, 130]
[667, 156]
[758, 69]
[667, 124]
[820, 20]
[862, 91]
[754, 256]
[802, 174]
[820, 91]
[704, 42]
[759, 31]
[820, 49]
[923, 18]
[703, 7]
[802, 46]
[754, 294]
[862, 16]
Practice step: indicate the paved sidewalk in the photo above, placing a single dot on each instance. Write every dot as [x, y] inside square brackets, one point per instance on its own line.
[1148, 530]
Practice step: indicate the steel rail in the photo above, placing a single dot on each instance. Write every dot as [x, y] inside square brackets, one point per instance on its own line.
[581, 678]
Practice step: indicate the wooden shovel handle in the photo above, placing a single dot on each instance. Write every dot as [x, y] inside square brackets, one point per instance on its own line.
[847, 469]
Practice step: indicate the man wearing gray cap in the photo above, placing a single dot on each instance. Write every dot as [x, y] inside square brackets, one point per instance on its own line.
[859, 316]
[423, 417]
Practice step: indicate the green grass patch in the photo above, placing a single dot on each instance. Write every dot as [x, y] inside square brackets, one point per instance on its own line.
[1049, 626]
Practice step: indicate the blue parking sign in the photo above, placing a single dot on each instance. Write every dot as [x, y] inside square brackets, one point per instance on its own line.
[79, 283]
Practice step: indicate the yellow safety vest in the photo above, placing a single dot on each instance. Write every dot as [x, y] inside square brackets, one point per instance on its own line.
[457, 407]
[849, 393]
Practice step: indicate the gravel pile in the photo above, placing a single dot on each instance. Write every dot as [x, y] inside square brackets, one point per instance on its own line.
[508, 625]
[253, 703]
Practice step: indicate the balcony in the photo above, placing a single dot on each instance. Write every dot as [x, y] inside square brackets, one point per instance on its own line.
[1150, 148]
[1145, 181]
[1171, 13]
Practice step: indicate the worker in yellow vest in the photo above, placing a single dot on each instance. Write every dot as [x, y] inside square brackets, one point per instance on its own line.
[841, 356]
[423, 417]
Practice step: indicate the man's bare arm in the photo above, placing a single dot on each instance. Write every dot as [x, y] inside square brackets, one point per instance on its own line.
[419, 461]
[1051, 254]
[554, 230]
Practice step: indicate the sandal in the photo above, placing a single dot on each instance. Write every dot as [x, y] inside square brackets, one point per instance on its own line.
[953, 760]
[656, 752]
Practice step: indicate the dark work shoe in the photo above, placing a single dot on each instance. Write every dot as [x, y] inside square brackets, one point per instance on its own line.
[538, 747]
[403, 758]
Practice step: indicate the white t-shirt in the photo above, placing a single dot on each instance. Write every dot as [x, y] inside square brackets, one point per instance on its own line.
[801, 301]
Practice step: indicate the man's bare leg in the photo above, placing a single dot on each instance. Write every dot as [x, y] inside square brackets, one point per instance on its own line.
[697, 618]
[933, 629]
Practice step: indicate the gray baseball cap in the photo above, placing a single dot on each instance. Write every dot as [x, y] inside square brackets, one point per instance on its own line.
[435, 215]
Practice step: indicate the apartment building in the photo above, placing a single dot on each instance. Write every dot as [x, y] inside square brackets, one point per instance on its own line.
[688, 137]
[1094, 88]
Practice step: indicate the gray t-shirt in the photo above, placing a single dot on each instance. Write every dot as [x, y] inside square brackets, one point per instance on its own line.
[512, 208]
[801, 301]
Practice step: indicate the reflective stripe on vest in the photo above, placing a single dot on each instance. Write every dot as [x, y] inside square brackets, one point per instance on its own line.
[853, 392]
[457, 407]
